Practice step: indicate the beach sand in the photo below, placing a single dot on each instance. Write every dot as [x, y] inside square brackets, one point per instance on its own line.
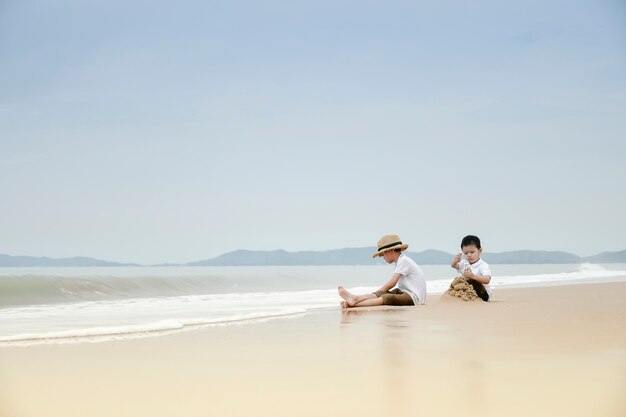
[558, 350]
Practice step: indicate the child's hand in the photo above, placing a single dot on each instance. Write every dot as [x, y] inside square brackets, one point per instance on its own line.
[457, 258]
[467, 273]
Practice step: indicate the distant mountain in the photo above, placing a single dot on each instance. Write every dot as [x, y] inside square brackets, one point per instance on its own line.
[531, 257]
[347, 256]
[18, 261]
[608, 257]
[363, 256]
[431, 257]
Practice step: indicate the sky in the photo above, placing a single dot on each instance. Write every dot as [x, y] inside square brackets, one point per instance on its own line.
[172, 132]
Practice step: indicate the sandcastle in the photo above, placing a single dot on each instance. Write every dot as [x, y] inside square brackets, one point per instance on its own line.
[461, 288]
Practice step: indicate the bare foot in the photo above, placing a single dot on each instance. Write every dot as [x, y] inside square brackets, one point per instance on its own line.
[346, 295]
[344, 305]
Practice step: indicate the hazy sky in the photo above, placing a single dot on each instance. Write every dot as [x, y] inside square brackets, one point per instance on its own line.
[155, 131]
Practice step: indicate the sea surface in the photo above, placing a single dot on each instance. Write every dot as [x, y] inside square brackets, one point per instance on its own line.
[93, 304]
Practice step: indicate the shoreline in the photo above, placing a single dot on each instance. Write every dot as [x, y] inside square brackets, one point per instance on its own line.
[169, 327]
[535, 351]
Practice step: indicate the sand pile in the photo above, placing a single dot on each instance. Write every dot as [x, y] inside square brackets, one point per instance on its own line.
[461, 288]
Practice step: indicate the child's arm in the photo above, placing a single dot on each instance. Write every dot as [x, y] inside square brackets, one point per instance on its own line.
[456, 260]
[391, 283]
[483, 279]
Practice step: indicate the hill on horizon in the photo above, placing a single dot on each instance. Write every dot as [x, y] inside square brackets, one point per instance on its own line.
[31, 261]
[346, 256]
[363, 256]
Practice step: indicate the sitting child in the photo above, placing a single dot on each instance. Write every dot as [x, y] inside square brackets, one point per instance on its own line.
[407, 275]
[472, 267]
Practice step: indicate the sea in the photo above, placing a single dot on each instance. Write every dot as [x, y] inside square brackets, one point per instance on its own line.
[94, 304]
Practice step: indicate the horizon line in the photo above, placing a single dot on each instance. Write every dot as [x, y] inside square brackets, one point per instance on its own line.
[131, 263]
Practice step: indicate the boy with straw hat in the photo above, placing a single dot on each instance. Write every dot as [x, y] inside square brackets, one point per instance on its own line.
[408, 279]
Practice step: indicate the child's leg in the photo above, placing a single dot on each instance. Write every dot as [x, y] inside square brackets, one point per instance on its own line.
[378, 301]
[370, 302]
[359, 300]
[352, 299]
[480, 289]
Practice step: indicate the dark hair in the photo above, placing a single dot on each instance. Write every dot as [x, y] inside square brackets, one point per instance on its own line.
[470, 240]
[398, 250]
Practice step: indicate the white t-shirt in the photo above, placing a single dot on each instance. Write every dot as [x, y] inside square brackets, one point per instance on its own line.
[479, 267]
[411, 279]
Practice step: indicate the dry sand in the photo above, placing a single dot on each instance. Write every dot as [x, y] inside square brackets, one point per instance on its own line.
[530, 352]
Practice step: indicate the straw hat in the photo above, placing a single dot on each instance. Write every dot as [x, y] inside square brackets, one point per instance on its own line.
[389, 242]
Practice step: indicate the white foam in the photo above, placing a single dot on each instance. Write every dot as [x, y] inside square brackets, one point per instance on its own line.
[583, 272]
[141, 330]
[141, 317]
[591, 268]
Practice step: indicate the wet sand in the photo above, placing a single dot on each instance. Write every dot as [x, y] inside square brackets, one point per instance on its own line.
[546, 351]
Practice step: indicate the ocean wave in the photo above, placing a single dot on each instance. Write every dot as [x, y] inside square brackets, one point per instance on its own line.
[138, 317]
[31, 286]
[126, 307]
[592, 268]
[31, 289]
[109, 333]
